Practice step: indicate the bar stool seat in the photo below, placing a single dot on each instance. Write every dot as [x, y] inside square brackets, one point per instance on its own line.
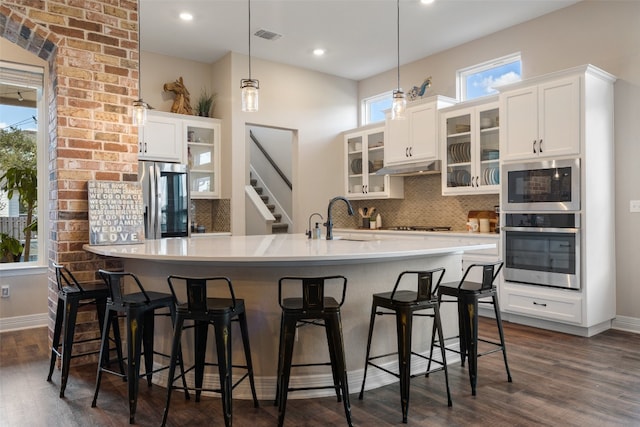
[405, 304]
[139, 311]
[468, 295]
[316, 309]
[71, 297]
[205, 311]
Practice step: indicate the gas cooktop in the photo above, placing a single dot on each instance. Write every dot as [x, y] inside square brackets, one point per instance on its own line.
[419, 228]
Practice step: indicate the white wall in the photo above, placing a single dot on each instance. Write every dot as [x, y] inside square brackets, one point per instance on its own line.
[318, 106]
[603, 33]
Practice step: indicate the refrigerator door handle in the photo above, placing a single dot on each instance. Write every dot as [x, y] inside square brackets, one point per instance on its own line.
[154, 224]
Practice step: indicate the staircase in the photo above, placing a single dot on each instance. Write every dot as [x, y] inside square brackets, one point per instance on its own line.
[278, 226]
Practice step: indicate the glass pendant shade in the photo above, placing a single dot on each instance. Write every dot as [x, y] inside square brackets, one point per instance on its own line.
[140, 112]
[399, 105]
[249, 95]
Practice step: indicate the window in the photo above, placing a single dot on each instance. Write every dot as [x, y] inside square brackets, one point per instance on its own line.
[22, 164]
[482, 79]
[373, 108]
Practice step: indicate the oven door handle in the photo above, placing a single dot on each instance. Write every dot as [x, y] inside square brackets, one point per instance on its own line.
[542, 230]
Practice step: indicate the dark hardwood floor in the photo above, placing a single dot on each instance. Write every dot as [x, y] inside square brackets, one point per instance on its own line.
[558, 380]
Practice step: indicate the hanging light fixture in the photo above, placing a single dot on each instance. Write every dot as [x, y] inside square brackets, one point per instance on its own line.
[139, 106]
[399, 99]
[249, 86]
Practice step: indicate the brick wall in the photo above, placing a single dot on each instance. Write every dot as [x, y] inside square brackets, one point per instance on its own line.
[92, 51]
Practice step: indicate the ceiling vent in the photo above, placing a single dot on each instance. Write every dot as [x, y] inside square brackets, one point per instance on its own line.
[267, 35]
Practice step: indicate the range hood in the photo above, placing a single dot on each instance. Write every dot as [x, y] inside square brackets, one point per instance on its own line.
[410, 169]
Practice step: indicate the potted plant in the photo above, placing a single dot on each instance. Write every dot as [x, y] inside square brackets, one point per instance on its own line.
[10, 248]
[205, 104]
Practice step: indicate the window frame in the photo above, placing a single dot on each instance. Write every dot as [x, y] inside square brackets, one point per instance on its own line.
[41, 264]
[365, 106]
[463, 73]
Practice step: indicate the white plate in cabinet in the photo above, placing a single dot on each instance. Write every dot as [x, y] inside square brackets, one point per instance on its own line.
[550, 305]
[470, 148]
[364, 156]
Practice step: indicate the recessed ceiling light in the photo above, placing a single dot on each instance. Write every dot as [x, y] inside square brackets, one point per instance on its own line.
[318, 52]
[186, 16]
[426, 1]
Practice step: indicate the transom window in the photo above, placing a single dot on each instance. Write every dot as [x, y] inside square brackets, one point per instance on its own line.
[373, 108]
[483, 79]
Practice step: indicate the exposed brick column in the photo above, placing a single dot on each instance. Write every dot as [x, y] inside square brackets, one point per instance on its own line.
[92, 52]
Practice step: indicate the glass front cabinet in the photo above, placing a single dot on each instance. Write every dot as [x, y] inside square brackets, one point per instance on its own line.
[203, 157]
[470, 148]
[364, 154]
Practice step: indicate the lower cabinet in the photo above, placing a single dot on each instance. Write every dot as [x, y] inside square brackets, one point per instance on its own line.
[544, 303]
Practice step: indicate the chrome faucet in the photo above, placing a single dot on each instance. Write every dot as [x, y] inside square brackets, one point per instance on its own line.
[329, 223]
[310, 231]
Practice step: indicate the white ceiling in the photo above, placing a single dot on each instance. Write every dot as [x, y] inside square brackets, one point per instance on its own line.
[359, 35]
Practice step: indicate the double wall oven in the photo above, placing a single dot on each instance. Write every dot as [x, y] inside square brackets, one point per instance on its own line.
[541, 229]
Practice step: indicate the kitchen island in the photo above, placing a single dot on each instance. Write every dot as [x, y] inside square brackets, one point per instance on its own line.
[255, 263]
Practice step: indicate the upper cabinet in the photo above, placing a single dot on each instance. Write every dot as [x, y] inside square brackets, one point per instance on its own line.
[364, 154]
[541, 120]
[203, 156]
[471, 148]
[161, 138]
[178, 138]
[416, 137]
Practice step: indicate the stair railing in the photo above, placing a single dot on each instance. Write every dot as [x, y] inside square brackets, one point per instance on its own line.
[271, 161]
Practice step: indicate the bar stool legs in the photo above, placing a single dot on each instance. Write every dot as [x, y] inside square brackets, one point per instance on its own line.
[220, 313]
[404, 305]
[311, 308]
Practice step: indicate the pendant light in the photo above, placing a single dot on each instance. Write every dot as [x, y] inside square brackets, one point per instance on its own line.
[249, 86]
[399, 99]
[139, 106]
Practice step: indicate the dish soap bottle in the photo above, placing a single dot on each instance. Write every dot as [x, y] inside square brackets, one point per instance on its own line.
[378, 221]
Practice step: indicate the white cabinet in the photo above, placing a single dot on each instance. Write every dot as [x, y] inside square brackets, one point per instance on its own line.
[416, 137]
[573, 112]
[161, 138]
[541, 120]
[470, 148]
[364, 154]
[203, 156]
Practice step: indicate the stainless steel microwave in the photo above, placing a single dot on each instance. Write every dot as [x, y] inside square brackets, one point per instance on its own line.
[547, 185]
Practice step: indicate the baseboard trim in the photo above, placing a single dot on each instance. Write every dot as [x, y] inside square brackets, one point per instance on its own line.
[626, 323]
[24, 322]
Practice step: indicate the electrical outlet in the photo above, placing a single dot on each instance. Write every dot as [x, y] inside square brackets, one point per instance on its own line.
[634, 206]
[5, 291]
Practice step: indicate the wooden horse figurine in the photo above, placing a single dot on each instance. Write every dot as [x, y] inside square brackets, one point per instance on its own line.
[182, 102]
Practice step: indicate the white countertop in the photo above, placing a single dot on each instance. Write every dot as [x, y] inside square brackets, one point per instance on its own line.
[282, 249]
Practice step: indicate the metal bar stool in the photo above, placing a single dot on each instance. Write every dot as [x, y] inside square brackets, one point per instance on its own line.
[468, 294]
[71, 297]
[405, 304]
[312, 308]
[140, 311]
[205, 311]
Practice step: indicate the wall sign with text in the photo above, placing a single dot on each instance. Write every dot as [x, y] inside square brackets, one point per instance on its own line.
[115, 213]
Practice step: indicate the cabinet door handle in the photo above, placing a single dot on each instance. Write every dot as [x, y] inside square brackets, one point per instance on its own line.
[406, 151]
[145, 146]
[140, 147]
[410, 151]
[534, 146]
[365, 189]
[540, 146]
[540, 304]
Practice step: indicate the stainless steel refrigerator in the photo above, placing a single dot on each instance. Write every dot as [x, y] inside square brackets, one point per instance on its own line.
[165, 191]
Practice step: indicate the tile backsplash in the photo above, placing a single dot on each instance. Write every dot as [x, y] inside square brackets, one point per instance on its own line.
[423, 204]
[215, 215]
